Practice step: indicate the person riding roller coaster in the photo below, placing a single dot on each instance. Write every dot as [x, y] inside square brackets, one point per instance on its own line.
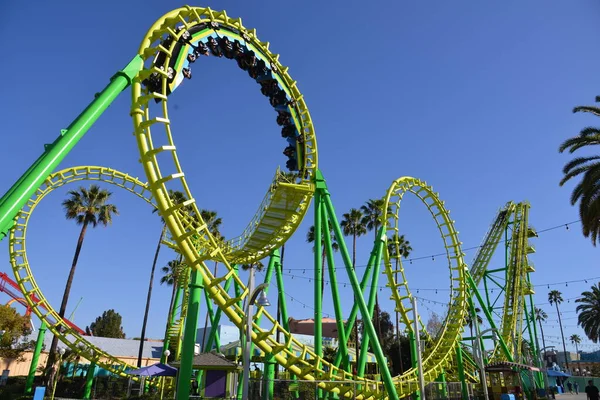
[247, 60]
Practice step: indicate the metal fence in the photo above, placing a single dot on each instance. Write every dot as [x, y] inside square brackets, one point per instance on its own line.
[286, 389]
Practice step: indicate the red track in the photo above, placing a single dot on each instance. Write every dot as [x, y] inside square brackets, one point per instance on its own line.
[6, 281]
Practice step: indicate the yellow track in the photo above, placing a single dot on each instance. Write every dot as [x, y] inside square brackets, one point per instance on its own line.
[439, 355]
[279, 215]
[24, 275]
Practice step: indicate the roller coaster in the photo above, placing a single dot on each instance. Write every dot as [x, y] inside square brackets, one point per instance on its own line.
[175, 43]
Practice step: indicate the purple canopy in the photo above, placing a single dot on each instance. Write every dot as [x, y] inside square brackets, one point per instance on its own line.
[155, 370]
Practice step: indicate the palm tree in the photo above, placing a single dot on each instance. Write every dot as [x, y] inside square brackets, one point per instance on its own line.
[171, 275]
[352, 225]
[398, 247]
[555, 297]
[177, 197]
[541, 316]
[373, 213]
[588, 188]
[588, 312]
[310, 238]
[575, 339]
[87, 207]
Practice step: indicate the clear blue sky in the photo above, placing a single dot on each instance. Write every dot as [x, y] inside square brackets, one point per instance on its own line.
[473, 97]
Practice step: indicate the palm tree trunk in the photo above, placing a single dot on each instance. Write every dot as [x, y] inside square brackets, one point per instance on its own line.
[562, 335]
[356, 323]
[543, 340]
[171, 305]
[377, 321]
[65, 299]
[149, 297]
[398, 323]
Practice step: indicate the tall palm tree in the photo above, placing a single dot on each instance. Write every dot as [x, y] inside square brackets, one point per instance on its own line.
[372, 215]
[88, 207]
[310, 238]
[541, 316]
[576, 340]
[555, 297]
[588, 312]
[213, 223]
[177, 197]
[402, 249]
[588, 188]
[352, 225]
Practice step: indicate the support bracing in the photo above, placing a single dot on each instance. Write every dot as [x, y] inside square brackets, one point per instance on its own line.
[368, 324]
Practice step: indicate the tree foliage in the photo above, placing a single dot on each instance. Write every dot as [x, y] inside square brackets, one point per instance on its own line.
[15, 326]
[587, 190]
[434, 324]
[108, 325]
[588, 312]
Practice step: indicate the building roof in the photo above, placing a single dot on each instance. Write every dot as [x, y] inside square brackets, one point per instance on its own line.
[114, 347]
[307, 326]
[211, 361]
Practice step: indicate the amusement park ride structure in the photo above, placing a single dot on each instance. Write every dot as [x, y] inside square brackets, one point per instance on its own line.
[175, 42]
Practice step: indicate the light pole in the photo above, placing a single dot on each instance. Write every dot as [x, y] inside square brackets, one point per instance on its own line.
[167, 353]
[479, 357]
[61, 353]
[544, 365]
[418, 350]
[261, 301]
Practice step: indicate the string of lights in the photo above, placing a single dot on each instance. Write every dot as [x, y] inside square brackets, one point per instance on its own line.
[437, 290]
[432, 256]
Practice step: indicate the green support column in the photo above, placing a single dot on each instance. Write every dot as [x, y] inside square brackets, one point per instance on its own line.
[36, 356]
[442, 380]
[461, 373]
[269, 378]
[318, 275]
[89, 381]
[189, 337]
[25, 187]
[368, 324]
[353, 313]
[337, 304]
[413, 357]
[378, 246]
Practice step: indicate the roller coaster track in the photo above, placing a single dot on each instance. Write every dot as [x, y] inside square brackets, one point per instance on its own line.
[439, 355]
[516, 285]
[67, 332]
[5, 280]
[165, 57]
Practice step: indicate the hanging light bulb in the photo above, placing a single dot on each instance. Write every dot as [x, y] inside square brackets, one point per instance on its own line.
[432, 258]
[567, 226]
